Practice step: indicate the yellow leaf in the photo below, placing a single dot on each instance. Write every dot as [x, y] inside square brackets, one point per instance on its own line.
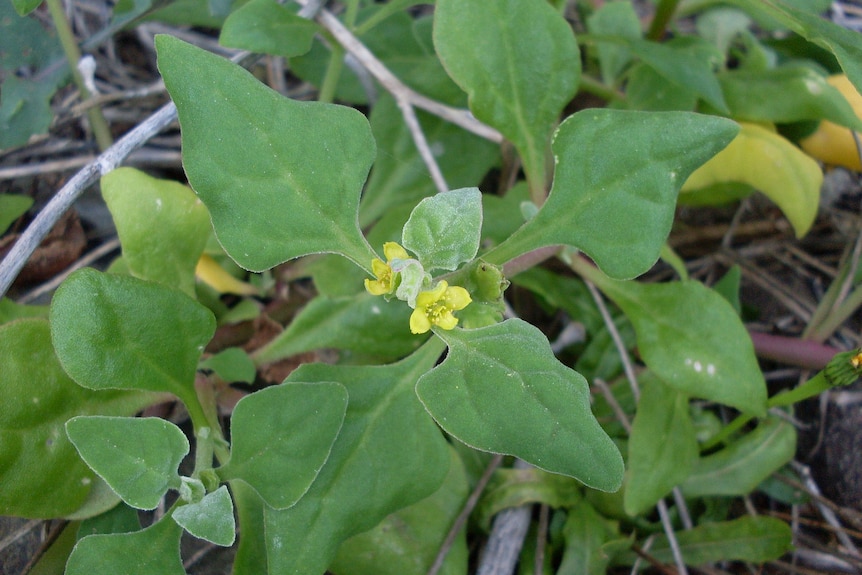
[215, 276]
[834, 144]
[771, 164]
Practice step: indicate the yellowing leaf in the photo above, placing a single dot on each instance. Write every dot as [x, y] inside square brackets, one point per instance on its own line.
[771, 164]
[832, 143]
[211, 273]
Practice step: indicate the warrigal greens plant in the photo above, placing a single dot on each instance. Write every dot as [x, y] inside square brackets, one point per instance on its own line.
[436, 372]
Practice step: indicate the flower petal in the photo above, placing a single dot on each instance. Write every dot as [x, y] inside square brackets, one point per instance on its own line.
[375, 287]
[446, 320]
[419, 321]
[393, 251]
[457, 298]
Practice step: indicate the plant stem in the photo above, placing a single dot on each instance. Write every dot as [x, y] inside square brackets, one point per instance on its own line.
[333, 74]
[73, 55]
[593, 86]
[843, 369]
[663, 14]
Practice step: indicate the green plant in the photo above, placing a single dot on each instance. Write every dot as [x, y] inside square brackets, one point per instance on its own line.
[316, 463]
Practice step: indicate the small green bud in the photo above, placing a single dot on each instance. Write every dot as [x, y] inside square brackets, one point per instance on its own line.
[191, 490]
[210, 479]
[490, 282]
[844, 368]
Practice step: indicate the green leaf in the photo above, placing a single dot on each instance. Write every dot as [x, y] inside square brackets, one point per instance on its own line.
[231, 364]
[10, 310]
[444, 230]
[267, 27]
[519, 64]
[787, 94]
[12, 207]
[693, 340]
[586, 531]
[119, 332]
[388, 455]
[843, 43]
[137, 457]
[515, 487]
[728, 287]
[614, 19]
[362, 324]
[41, 473]
[400, 176]
[740, 467]
[500, 389]
[754, 539]
[662, 446]
[648, 90]
[687, 63]
[25, 108]
[273, 449]
[406, 542]
[153, 551]
[162, 226]
[615, 185]
[24, 7]
[251, 552]
[280, 178]
[768, 162]
[403, 43]
[120, 519]
[210, 519]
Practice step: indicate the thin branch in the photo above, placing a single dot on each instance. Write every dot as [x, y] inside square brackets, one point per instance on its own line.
[60, 203]
[827, 513]
[461, 520]
[507, 537]
[422, 145]
[395, 86]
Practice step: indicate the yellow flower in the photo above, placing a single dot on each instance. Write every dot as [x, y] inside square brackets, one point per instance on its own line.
[435, 307]
[385, 282]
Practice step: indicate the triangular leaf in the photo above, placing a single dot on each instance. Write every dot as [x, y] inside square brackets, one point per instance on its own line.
[444, 230]
[500, 389]
[137, 457]
[768, 162]
[615, 185]
[519, 64]
[388, 455]
[693, 340]
[162, 226]
[119, 332]
[267, 27]
[210, 519]
[153, 551]
[272, 449]
[280, 178]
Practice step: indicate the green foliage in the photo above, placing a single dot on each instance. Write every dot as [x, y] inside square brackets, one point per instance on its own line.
[42, 475]
[292, 203]
[25, 108]
[137, 457]
[278, 464]
[268, 27]
[615, 185]
[444, 230]
[116, 332]
[136, 201]
[12, 207]
[519, 64]
[501, 389]
[361, 465]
